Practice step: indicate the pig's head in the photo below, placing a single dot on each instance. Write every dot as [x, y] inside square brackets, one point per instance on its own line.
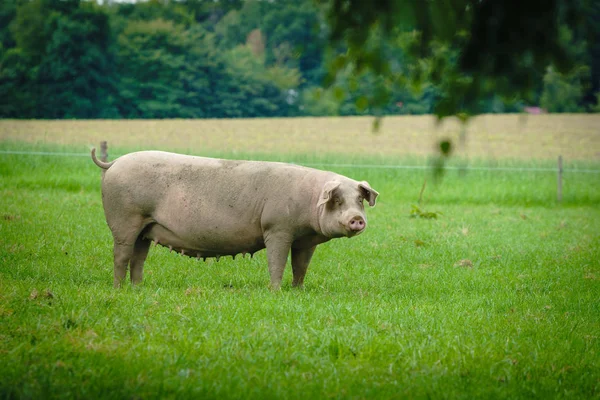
[341, 209]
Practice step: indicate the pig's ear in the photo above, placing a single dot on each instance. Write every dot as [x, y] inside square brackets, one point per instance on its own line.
[326, 193]
[369, 193]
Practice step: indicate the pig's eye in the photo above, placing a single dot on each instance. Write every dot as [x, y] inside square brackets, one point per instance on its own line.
[339, 201]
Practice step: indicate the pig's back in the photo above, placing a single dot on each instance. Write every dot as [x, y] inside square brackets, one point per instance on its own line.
[170, 168]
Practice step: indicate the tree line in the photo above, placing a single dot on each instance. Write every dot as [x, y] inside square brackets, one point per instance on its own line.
[236, 58]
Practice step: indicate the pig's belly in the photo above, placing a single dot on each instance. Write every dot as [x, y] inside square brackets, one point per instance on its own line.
[204, 244]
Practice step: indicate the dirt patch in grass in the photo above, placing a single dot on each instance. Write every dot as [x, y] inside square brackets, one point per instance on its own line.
[574, 136]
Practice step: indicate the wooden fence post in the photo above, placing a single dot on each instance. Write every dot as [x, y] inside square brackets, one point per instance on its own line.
[559, 179]
[103, 151]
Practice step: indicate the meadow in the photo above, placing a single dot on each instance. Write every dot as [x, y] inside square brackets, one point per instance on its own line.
[496, 297]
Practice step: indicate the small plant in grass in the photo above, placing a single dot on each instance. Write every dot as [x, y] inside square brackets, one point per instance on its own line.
[417, 212]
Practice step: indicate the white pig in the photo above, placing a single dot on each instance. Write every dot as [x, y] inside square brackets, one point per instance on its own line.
[205, 207]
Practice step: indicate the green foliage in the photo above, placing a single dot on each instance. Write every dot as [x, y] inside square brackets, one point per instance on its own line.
[149, 10]
[233, 29]
[75, 75]
[165, 70]
[319, 102]
[29, 28]
[250, 89]
[283, 78]
[596, 107]
[61, 66]
[562, 93]
[8, 10]
[296, 38]
[169, 58]
[17, 87]
[593, 42]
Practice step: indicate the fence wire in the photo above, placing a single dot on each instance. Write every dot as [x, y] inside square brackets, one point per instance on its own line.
[367, 166]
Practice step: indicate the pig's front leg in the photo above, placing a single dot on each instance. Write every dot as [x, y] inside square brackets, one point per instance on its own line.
[278, 247]
[300, 260]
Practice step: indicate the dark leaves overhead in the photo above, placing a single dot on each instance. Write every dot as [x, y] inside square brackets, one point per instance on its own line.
[469, 49]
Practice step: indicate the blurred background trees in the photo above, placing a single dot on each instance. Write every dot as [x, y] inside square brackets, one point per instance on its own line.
[235, 58]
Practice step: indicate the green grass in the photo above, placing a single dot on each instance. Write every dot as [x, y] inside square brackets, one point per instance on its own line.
[497, 298]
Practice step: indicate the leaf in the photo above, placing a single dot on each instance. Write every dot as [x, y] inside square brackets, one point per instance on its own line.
[339, 93]
[446, 147]
[362, 103]
[463, 117]
[377, 124]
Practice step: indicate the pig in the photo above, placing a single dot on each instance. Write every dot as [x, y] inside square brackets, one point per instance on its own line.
[206, 207]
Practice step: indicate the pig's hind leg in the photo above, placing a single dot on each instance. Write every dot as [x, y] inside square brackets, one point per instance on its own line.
[129, 248]
[122, 255]
[140, 252]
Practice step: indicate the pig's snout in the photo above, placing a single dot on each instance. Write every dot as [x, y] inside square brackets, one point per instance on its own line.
[357, 224]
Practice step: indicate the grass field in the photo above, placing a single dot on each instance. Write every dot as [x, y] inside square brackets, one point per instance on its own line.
[496, 298]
